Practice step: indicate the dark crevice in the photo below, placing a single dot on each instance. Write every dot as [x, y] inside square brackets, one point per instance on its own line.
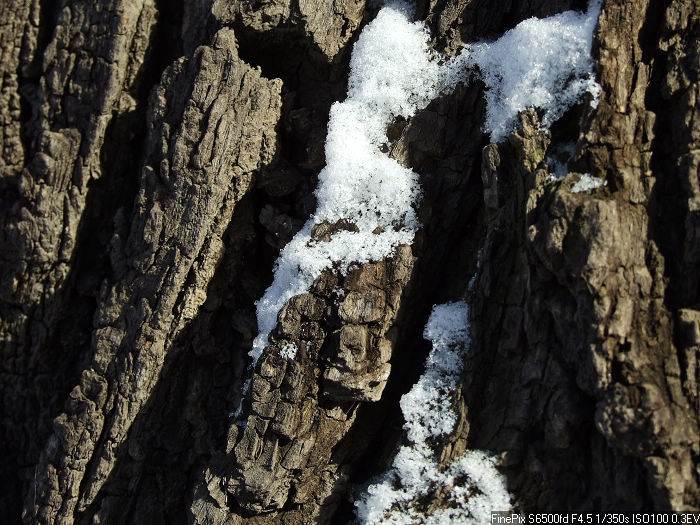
[564, 137]
[30, 71]
[114, 191]
[649, 33]
[668, 202]
[284, 195]
[49, 11]
[165, 47]
[292, 56]
[278, 55]
[479, 21]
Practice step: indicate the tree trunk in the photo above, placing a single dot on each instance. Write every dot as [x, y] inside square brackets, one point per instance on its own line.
[155, 159]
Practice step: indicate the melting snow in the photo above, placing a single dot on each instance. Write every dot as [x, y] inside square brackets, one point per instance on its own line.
[473, 485]
[587, 183]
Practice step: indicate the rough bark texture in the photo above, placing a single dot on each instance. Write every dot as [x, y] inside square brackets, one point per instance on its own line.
[154, 159]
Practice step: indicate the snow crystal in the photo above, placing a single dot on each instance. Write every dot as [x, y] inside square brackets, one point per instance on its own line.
[448, 325]
[289, 351]
[586, 183]
[392, 74]
[427, 407]
[543, 63]
[475, 486]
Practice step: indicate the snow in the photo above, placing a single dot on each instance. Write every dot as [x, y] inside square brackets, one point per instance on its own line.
[289, 351]
[474, 486]
[543, 63]
[392, 73]
[587, 183]
[427, 407]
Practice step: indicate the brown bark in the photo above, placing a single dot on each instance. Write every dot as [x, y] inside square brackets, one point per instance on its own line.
[156, 157]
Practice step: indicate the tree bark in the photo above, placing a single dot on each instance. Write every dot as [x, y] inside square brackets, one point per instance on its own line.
[156, 157]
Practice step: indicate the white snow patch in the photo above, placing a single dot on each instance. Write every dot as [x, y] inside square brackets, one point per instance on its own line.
[427, 408]
[587, 183]
[543, 63]
[392, 73]
[289, 351]
[474, 485]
